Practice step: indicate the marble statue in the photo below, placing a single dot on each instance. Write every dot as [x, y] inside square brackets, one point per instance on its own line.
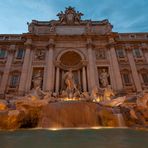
[69, 80]
[78, 16]
[35, 94]
[52, 27]
[85, 95]
[142, 101]
[61, 16]
[37, 79]
[94, 93]
[104, 78]
[88, 27]
[108, 93]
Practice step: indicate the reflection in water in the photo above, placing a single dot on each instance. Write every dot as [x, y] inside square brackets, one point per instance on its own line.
[70, 138]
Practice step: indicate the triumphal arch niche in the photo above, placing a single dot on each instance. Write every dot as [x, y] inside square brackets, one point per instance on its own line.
[75, 61]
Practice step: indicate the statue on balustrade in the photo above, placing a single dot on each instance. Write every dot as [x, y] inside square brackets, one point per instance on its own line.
[104, 78]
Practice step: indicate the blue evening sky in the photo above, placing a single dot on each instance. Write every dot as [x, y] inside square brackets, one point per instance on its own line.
[124, 15]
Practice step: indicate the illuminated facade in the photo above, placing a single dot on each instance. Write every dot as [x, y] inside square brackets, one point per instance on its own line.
[89, 48]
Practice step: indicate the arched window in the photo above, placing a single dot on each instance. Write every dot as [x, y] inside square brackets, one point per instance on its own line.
[126, 77]
[14, 79]
[1, 76]
[20, 53]
[144, 76]
[137, 53]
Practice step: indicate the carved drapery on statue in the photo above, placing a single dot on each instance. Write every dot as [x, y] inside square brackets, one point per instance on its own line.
[37, 78]
[104, 79]
[69, 80]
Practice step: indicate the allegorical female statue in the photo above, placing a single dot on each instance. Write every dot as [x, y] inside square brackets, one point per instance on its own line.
[37, 79]
[104, 78]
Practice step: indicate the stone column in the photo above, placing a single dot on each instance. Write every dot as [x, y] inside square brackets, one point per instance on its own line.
[111, 71]
[146, 55]
[145, 51]
[25, 68]
[5, 76]
[84, 78]
[91, 65]
[57, 79]
[30, 71]
[49, 67]
[134, 69]
[115, 66]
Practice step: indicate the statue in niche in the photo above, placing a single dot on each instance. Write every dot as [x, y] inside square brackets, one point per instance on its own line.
[104, 78]
[69, 81]
[40, 55]
[37, 79]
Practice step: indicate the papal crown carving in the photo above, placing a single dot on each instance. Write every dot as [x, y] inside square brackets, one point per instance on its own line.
[70, 16]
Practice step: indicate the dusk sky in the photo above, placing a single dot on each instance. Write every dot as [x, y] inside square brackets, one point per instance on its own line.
[124, 15]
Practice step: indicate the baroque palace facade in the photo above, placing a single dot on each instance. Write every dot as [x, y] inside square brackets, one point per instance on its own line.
[89, 48]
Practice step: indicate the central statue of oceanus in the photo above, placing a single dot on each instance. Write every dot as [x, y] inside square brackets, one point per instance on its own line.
[69, 81]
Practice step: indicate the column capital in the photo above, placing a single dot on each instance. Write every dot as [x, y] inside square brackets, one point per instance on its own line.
[89, 43]
[12, 49]
[111, 45]
[51, 44]
[84, 63]
[144, 46]
[57, 63]
[28, 43]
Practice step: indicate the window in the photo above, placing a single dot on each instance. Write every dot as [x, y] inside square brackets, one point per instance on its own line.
[145, 78]
[2, 53]
[120, 53]
[14, 81]
[137, 53]
[20, 54]
[126, 79]
[0, 77]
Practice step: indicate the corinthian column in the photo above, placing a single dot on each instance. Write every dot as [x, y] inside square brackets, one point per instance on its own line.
[134, 70]
[84, 78]
[91, 65]
[145, 50]
[7, 69]
[57, 79]
[49, 67]
[115, 66]
[25, 68]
